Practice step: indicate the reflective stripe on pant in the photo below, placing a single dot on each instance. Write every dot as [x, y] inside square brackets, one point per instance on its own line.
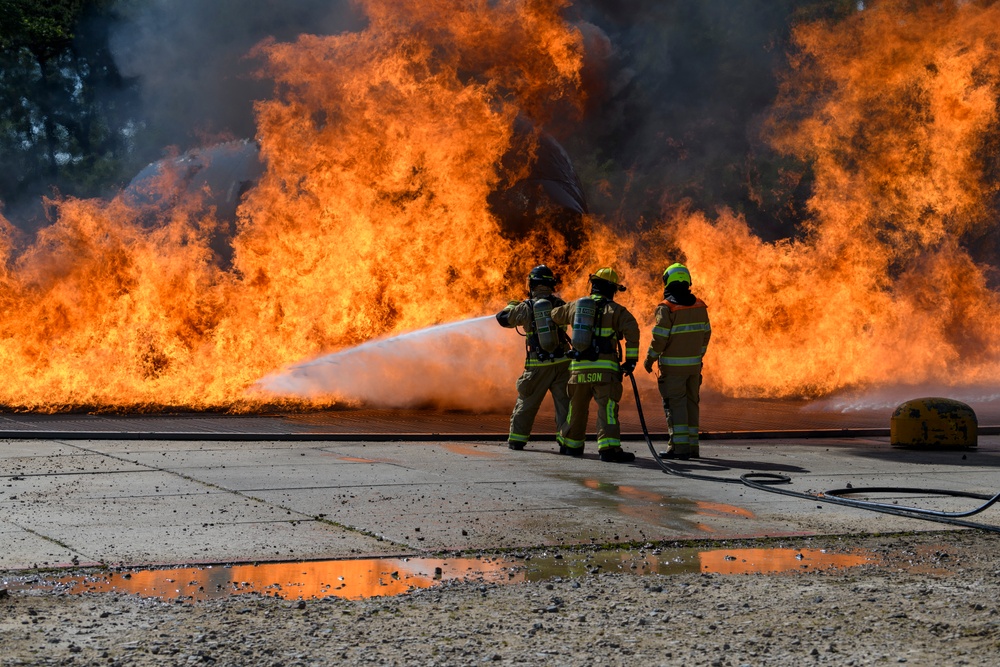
[532, 386]
[607, 395]
[681, 394]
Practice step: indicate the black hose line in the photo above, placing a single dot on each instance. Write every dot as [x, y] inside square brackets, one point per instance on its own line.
[766, 481]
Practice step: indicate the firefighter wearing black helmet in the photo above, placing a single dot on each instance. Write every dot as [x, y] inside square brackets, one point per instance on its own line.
[599, 324]
[546, 366]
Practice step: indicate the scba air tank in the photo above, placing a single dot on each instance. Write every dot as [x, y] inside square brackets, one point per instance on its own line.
[545, 328]
[583, 324]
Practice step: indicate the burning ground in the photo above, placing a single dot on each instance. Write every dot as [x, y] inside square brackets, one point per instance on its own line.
[383, 148]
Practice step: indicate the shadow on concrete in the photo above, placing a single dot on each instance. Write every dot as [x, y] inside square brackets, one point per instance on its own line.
[713, 465]
[957, 457]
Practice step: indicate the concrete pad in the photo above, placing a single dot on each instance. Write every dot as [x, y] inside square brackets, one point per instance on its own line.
[181, 528]
[174, 502]
[61, 464]
[21, 549]
[212, 542]
[323, 474]
[32, 448]
[53, 489]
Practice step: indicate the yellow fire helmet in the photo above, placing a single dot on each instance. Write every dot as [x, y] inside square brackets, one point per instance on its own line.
[608, 274]
[676, 273]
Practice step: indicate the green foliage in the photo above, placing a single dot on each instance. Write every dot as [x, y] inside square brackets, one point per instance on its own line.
[63, 106]
[42, 27]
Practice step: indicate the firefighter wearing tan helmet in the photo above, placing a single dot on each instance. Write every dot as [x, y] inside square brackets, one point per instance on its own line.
[680, 338]
[546, 366]
[598, 325]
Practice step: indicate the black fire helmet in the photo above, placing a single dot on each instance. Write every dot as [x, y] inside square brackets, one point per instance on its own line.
[542, 275]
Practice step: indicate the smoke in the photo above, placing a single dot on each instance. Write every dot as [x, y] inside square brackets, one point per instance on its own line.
[679, 109]
[190, 59]
[675, 92]
[984, 399]
[465, 365]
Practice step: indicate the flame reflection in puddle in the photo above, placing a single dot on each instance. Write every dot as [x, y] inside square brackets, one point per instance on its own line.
[350, 579]
[367, 578]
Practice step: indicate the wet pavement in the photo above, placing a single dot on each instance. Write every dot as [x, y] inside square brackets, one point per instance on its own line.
[68, 502]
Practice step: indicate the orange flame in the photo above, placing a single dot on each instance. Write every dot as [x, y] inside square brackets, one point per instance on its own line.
[370, 219]
[894, 108]
[382, 146]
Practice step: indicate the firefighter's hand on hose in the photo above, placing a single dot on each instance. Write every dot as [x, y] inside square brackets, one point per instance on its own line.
[628, 367]
[648, 364]
[503, 317]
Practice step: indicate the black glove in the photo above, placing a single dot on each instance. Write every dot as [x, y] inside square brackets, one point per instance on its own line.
[628, 367]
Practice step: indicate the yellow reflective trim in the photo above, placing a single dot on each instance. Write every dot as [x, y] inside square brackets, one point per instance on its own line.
[535, 363]
[599, 365]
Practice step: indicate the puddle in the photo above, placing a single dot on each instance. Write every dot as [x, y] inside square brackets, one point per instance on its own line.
[367, 578]
[659, 509]
[350, 579]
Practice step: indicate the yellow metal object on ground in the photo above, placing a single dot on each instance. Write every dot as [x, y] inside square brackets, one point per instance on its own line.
[934, 423]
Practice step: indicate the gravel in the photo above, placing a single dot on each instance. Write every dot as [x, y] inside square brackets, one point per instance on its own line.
[933, 600]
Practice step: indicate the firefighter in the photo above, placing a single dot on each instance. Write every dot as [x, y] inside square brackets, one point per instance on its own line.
[680, 338]
[597, 368]
[546, 366]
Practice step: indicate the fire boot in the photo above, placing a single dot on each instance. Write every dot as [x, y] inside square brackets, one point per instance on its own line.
[516, 446]
[671, 453]
[616, 455]
[571, 451]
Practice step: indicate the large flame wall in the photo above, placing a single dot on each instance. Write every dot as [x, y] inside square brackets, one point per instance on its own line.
[371, 219]
[896, 108]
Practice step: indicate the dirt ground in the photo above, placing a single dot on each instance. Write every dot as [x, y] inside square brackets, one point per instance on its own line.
[932, 600]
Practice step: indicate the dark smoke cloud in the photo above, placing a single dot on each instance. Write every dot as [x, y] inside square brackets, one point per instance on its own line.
[190, 59]
[677, 91]
[686, 87]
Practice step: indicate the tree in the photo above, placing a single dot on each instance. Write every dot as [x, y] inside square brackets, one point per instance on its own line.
[64, 108]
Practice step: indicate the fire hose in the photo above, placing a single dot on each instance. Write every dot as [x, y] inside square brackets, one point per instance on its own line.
[770, 482]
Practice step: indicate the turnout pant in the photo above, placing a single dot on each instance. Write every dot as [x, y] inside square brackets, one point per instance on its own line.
[681, 394]
[607, 395]
[532, 386]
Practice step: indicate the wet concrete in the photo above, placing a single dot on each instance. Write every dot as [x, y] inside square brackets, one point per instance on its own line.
[64, 503]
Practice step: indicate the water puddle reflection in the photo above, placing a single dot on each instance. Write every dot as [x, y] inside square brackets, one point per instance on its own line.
[366, 578]
[659, 509]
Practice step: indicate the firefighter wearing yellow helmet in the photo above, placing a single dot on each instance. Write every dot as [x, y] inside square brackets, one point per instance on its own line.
[598, 325]
[546, 366]
[680, 338]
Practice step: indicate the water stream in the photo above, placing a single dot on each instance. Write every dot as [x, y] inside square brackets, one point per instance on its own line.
[464, 365]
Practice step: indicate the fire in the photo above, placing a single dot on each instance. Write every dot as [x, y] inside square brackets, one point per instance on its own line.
[382, 146]
[371, 219]
[897, 109]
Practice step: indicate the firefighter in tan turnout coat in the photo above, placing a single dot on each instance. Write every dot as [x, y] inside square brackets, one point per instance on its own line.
[680, 339]
[546, 366]
[596, 371]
